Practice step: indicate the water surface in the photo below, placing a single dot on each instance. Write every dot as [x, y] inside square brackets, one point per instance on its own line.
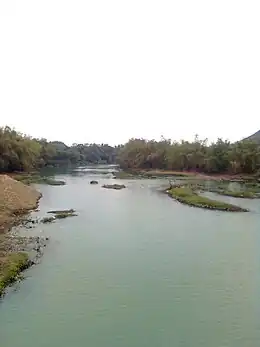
[136, 268]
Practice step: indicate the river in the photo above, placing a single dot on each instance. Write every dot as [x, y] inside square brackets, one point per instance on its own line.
[137, 269]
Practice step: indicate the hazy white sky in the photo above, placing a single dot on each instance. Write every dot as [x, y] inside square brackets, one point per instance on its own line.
[107, 70]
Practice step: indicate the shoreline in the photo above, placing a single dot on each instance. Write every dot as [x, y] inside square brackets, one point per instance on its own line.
[17, 253]
[159, 173]
[31, 248]
[220, 176]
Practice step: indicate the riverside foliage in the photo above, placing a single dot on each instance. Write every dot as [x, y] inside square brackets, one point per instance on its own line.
[19, 152]
[199, 155]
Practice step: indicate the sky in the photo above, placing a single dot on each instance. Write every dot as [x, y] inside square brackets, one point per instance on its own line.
[104, 71]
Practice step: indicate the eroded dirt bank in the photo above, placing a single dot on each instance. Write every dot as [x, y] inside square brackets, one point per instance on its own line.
[16, 252]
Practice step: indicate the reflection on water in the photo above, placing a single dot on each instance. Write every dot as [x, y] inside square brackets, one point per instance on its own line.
[136, 268]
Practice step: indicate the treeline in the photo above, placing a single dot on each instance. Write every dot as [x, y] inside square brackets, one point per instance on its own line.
[219, 157]
[22, 153]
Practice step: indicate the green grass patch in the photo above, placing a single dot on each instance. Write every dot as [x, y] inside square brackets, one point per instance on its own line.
[124, 175]
[62, 211]
[253, 187]
[35, 178]
[64, 215]
[51, 182]
[10, 268]
[188, 196]
[238, 194]
[166, 173]
[245, 191]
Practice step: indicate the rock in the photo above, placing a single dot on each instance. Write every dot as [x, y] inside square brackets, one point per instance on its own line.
[61, 211]
[114, 186]
[93, 182]
[48, 219]
[65, 215]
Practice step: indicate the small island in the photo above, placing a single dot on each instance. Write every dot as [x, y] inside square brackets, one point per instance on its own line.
[186, 195]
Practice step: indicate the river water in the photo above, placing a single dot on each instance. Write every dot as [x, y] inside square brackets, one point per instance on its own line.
[137, 269]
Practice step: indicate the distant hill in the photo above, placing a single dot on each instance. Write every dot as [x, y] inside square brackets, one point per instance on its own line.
[254, 137]
[59, 145]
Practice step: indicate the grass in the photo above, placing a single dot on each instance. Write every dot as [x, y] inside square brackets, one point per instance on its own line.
[62, 211]
[253, 187]
[153, 174]
[239, 194]
[165, 173]
[35, 178]
[10, 267]
[123, 175]
[64, 215]
[189, 197]
[51, 182]
[247, 192]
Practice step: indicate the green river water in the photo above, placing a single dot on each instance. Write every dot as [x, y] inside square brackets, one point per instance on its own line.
[137, 269]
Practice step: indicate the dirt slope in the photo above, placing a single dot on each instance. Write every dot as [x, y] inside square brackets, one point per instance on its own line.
[15, 197]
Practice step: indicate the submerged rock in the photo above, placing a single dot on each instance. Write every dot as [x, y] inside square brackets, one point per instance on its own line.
[48, 219]
[114, 186]
[61, 211]
[64, 215]
[59, 214]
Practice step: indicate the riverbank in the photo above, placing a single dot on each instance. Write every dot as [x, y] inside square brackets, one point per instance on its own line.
[158, 173]
[16, 252]
[35, 177]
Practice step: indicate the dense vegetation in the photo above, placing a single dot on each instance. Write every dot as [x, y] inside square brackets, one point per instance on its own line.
[22, 153]
[219, 157]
